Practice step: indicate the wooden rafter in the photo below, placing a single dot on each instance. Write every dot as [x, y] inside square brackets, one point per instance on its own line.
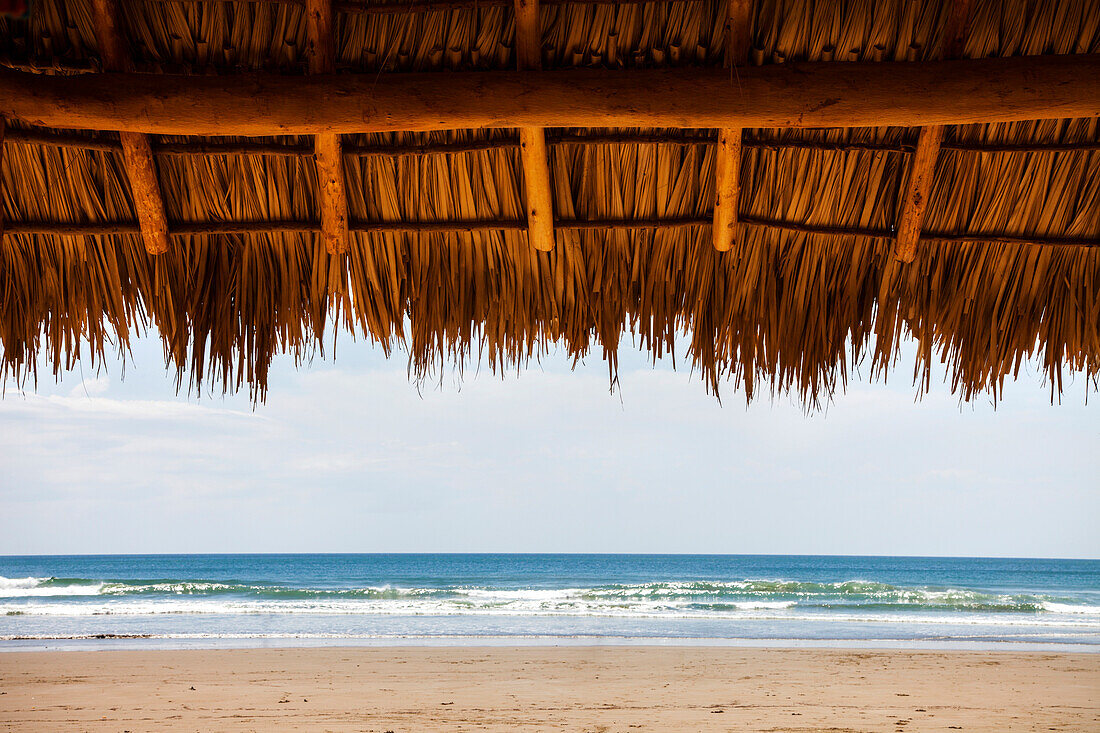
[137, 153]
[922, 166]
[532, 140]
[327, 146]
[792, 95]
[727, 188]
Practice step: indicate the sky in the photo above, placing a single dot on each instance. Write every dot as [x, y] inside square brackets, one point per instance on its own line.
[350, 456]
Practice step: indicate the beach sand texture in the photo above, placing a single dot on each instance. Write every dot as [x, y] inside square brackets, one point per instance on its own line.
[548, 689]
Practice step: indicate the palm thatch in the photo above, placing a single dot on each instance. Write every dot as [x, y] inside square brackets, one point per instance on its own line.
[1007, 269]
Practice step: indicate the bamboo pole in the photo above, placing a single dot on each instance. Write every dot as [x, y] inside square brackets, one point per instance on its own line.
[922, 166]
[792, 95]
[727, 168]
[327, 146]
[137, 154]
[533, 152]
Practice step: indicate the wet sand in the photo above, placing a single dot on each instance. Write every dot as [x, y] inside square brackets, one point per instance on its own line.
[607, 689]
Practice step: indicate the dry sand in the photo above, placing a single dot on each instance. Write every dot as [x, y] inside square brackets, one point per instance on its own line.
[548, 689]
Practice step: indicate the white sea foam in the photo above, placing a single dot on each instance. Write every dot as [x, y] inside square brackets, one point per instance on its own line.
[779, 600]
[1071, 608]
[37, 587]
[13, 583]
[764, 605]
[740, 611]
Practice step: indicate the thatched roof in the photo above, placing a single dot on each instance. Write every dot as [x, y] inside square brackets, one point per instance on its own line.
[439, 263]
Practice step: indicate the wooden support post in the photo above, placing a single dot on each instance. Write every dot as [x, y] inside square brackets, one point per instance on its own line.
[533, 152]
[137, 153]
[727, 185]
[727, 188]
[148, 204]
[328, 148]
[918, 188]
[922, 165]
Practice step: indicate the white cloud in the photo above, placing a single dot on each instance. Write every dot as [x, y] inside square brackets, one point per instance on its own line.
[106, 408]
[93, 387]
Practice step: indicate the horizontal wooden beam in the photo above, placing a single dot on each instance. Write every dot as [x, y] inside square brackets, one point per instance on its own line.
[199, 148]
[775, 96]
[184, 229]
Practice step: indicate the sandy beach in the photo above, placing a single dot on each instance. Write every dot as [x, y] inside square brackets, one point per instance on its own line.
[540, 689]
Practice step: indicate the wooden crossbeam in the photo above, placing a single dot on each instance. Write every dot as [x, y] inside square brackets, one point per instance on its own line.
[201, 148]
[222, 228]
[137, 153]
[533, 152]
[791, 95]
[727, 184]
[327, 146]
[922, 166]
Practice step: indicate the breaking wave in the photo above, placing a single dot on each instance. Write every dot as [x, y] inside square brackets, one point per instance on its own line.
[748, 598]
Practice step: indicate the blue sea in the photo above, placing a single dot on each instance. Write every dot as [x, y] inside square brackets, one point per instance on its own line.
[286, 600]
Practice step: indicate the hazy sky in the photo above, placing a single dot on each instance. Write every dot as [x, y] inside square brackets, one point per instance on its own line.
[350, 457]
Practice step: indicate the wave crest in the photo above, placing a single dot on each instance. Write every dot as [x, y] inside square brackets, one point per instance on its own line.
[691, 599]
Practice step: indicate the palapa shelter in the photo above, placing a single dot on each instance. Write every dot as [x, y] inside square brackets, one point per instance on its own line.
[784, 188]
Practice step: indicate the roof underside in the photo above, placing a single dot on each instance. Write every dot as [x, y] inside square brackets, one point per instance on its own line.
[1007, 269]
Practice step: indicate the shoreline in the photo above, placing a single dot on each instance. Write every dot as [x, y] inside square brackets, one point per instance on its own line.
[212, 642]
[575, 688]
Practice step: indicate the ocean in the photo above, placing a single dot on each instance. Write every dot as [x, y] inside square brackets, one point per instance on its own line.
[174, 601]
